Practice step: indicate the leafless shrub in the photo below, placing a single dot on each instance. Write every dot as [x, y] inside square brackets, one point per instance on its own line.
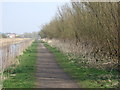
[87, 29]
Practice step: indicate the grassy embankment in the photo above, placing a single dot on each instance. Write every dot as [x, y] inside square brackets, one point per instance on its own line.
[86, 77]
[22, 76]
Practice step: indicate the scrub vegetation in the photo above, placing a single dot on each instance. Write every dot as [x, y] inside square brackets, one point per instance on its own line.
[86, 77]
[88, 30]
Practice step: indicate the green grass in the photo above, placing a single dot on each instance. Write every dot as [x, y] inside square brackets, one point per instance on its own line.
[86, 77]
[22, 76]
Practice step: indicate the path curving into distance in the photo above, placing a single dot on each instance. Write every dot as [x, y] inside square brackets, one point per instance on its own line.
[48, 73]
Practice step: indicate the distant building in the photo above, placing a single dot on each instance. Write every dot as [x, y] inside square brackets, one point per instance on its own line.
[11, 35]
[8, 35]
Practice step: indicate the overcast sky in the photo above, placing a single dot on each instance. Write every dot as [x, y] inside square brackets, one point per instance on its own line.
[20, 17]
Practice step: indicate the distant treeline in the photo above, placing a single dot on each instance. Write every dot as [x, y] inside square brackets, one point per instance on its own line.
[29, 35]
[24, 35]
[93, 24]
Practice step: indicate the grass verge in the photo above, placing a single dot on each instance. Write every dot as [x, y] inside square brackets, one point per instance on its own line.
[86, 77]
[22, 76]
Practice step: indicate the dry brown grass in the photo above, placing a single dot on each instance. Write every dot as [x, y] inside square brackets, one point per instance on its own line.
[8, 41]
[83, 53]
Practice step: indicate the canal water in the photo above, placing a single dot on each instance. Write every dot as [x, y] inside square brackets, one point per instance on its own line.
[8, 55]
[10, 52]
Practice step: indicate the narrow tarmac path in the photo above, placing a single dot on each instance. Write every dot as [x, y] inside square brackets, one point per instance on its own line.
[49, 74]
